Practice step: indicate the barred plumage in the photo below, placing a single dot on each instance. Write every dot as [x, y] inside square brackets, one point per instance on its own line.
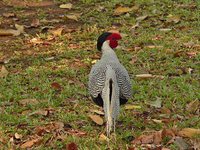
[97, 76]
[109, 82]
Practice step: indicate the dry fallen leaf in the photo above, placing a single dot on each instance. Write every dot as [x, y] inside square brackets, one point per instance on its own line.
[141, 18]
[56, 86]
[35, 23]
[165, 29]
[56, 32]
[148, 76]
[94, 61]
[191, 54]
[53, 127]
[154, 138]
[71, 146]
[173, 18]
[3, 72]
[163, 148]
[30, 143]
[18, 136]
[40, 130]
[97, 119]
[58, 125]
[9, 15]
[25, 112]
[36, 41]
[20, 28]
[143, 139]
[76, 133]
[189, 132]
[73, 16]
[169, 133]
[49, 58]
[156, 120]
[129, 107]
[165, 110]
[9, 32]
[40, 112]
[153, 46]
[102, 137]
[28, 101]
[157, 137]
[121, 10]
[66, 6]
[97, 112]
[144, 76]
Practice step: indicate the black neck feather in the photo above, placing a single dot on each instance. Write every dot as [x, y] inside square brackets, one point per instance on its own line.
[102, 39]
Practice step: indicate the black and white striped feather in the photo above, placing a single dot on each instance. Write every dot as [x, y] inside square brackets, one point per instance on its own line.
[97, 76]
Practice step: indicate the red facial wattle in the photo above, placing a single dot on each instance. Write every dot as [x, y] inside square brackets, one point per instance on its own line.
[113, 38]
[113, 43]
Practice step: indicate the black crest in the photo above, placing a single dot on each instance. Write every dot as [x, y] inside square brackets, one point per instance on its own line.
[102, 39]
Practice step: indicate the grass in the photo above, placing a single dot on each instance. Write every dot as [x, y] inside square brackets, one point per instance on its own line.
[31, 75]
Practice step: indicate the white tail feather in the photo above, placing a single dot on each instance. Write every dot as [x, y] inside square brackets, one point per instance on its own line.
[111, 107]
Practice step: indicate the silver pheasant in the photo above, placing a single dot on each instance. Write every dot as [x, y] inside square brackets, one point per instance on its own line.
[109, 82]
